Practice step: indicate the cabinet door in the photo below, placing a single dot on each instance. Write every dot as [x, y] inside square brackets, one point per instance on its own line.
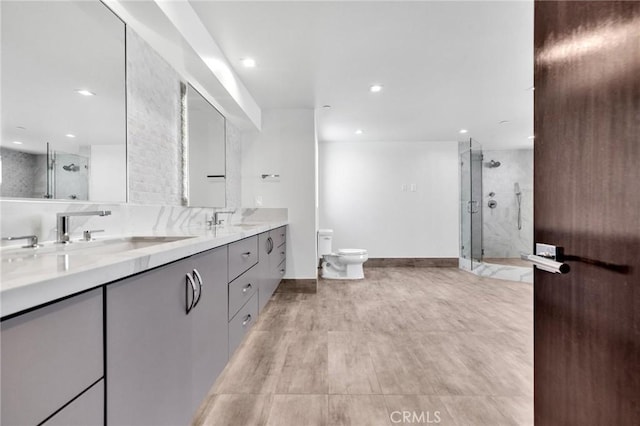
[86, 410]
[209, 331]
[149, 349]
[263, 271]
[49, 356]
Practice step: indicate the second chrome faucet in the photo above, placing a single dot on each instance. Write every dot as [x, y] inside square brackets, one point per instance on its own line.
[62, 230]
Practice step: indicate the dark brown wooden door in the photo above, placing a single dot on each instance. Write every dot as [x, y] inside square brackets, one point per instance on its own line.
[587, 199]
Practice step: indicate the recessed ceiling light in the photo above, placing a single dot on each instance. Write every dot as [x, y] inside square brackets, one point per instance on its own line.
[17, 142]
[375, 88]
[70, 135]
[249, 62]
[463, 131]
[531, 137]
[504, 122]
[326, 106]
[85, 92]
[358, 132]
[21, 128]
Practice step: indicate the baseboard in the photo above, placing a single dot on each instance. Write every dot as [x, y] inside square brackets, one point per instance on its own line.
[297, 286]
[412, 262]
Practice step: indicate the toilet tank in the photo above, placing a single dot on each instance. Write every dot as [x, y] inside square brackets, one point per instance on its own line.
[325, 237]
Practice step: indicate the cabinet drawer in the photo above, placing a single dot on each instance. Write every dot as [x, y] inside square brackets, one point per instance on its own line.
[279, 236]
[243, 255]
[241, 289]
[242, 322]
[49, 356]
[87, 410]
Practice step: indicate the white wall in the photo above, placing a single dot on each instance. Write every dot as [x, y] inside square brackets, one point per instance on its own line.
[108, 173]
[362, 197]
[286, 146]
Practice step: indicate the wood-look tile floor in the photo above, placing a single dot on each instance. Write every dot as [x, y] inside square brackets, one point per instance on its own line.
[436, 345]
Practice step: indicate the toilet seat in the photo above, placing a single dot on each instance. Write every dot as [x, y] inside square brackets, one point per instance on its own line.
[352, 251]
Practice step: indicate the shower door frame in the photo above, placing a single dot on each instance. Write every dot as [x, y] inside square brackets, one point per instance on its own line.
[471, 250]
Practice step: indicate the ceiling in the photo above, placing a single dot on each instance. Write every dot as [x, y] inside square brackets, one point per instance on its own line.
[444, 66]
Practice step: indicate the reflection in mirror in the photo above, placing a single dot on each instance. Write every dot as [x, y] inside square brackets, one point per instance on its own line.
[63, 101]
[206, 147]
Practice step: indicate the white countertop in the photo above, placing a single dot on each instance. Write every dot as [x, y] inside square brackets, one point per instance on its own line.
[32, 280]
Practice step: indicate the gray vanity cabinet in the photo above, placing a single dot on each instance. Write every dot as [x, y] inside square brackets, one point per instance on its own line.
[49, 357]
[209, 333]
[161, 360]
[272, 264]
[86, 410]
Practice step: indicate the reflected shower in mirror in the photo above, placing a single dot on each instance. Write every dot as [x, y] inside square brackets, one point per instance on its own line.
[63, 101]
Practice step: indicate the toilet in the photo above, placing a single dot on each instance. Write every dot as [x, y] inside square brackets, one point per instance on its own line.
[344, 264]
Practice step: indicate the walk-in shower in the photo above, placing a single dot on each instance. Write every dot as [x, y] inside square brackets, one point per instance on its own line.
[496, 209]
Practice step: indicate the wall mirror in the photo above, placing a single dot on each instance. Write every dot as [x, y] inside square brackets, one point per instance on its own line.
[206, 136]
[63, 101]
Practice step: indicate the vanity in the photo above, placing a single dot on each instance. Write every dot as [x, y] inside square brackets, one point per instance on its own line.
[135, 337]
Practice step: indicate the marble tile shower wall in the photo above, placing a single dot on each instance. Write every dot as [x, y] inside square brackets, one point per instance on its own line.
[21, 167]
[500, 234]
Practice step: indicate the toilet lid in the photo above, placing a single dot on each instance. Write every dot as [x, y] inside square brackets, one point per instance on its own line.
[352, 251]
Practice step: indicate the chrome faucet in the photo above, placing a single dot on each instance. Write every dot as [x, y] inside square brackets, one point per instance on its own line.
[215, 219]
[33, 240]
[62, 229]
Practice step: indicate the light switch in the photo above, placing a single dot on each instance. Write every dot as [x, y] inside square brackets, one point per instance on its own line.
[414, 187]
[403, 188]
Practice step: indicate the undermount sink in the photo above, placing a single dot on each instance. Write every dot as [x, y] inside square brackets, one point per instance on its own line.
[90, 248]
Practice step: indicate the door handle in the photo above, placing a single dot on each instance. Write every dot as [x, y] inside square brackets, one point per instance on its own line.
[189, 284]
[548, 258]
[198, 277]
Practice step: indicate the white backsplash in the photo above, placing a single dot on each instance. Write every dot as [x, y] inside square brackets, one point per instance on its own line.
[39, 217]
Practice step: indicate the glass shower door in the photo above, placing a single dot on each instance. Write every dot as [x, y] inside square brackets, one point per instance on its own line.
[470, 153]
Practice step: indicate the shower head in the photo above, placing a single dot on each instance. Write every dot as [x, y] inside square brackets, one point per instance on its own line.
[71, 167]
[492, 164]
[516, 188]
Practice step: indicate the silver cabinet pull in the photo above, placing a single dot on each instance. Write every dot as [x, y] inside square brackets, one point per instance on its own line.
[246, 288]
[247, 254]
[247, 320]
[269, 245]
[198, 277]
[189, 284]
